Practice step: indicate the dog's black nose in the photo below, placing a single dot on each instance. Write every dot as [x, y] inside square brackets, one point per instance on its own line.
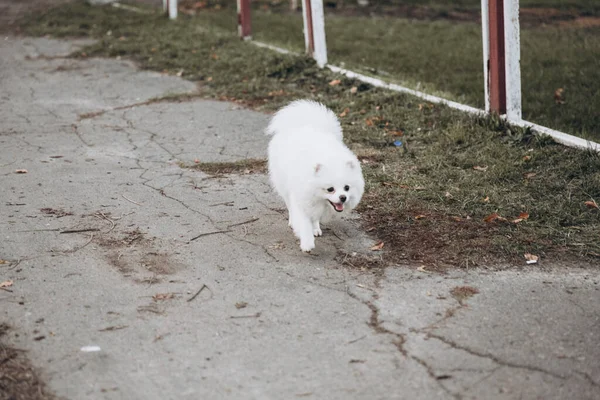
[343, 198]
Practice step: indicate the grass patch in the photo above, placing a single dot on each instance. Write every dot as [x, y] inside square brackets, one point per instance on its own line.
[249, 166]
[424, 198]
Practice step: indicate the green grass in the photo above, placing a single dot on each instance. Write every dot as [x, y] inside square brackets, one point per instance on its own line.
[424, 198]
[444, 58]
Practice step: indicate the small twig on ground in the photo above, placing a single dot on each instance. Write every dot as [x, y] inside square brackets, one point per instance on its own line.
[198, 292]
[243, 223]
[80, 230]
[40, 230]
[131, 201]
[227, 203]
[6, 289]
[100, 214]
[80, 247]
[335, 234]
[207, 234]
[257, 315]
[113, 328]
[356, 340]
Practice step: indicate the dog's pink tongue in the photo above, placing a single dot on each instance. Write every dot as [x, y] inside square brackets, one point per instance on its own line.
[339, 206]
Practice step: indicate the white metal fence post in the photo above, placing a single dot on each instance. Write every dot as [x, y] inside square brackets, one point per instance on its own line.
[172, 9]
[320, 43]
[485, 35]
[314, 30]
[512, 43]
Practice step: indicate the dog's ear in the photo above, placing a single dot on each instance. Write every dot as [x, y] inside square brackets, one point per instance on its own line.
[351, 164]
[318, 168]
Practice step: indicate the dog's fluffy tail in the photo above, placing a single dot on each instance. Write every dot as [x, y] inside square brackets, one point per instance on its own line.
[305, 114]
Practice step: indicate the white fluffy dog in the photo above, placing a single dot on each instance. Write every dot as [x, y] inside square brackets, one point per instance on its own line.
[317, 176]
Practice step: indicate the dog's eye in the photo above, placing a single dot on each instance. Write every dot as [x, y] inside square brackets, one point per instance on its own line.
[330, 190]
[346, 188]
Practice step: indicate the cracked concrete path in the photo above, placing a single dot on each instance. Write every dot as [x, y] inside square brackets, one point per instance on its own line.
[239, 313]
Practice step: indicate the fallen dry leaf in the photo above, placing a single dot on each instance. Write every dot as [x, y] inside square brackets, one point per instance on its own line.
[397, 133]
[531, 258]
[6, 284]
[369, 122]
[214, 56]
[526, 158]
[523, 216]
[529, 175]
[377, 246]
[494, 217]
[354, 90]
[422, 269]
[3, 262]
[344, 113]
[591, 204]
[241, 304]
[487, 199]
[480, 168]
[335, 82]
[20, 171]
[559, 96]
[420, 216]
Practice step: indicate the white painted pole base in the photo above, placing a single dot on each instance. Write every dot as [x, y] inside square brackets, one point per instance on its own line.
[318, 17]
[172, 9]
[512, 60]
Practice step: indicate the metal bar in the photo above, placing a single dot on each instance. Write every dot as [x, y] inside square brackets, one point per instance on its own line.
[319, 41]
[485, 35]
[172, 9]
[497, 65]
[309, 38]
[512, 46]
[244, 24]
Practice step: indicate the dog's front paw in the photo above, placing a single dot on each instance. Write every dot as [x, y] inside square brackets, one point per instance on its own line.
[317, 232]
[307, 245]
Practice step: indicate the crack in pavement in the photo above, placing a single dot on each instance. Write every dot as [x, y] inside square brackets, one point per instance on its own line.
[178, 97]
[435, 377]
[75, 128]
[492, 357]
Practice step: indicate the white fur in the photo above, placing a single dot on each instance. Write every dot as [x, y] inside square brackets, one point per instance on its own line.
[306, 157]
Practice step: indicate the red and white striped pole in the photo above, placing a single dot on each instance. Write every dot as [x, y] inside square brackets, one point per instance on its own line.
[501, 57]
[244, 25]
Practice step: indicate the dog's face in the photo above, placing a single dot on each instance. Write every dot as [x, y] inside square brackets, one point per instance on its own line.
[341, 186]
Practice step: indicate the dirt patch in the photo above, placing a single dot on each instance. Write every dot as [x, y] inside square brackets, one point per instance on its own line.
[249, 166]
[461, 293]
[361, 261]
[134, 254]
[19, 380]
